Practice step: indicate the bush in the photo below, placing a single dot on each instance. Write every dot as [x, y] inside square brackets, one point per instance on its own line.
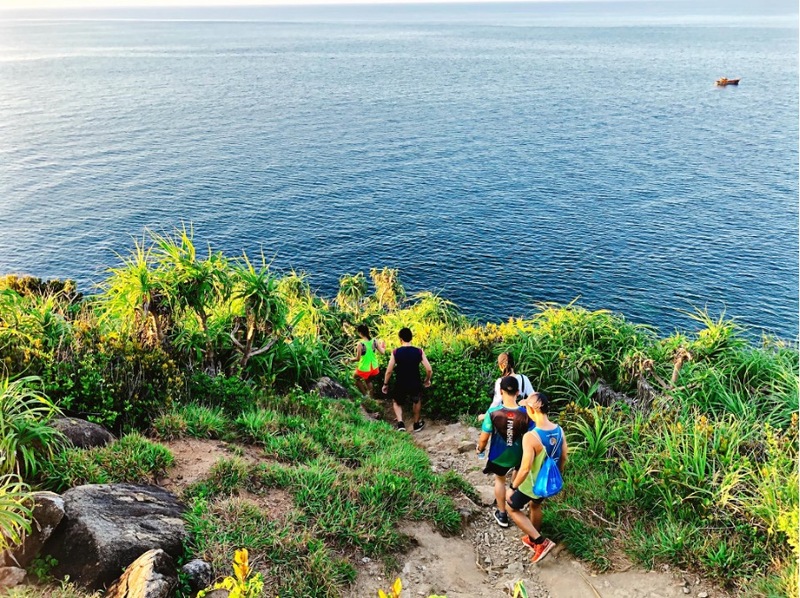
[458, 386]
[115, 382]
[231, 394]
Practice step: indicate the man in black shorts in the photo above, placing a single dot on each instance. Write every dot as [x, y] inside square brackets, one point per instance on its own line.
[408, 383]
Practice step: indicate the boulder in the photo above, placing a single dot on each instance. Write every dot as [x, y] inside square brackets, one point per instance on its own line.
[11, 577]
[152, 575]
[327, 387]
[108, 526]
[82, 434]
[48, 511]
[198, 574]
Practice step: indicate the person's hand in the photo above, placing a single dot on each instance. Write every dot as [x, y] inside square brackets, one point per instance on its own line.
[427, 384]
[509, 494]
[382, 345]
[385, 389]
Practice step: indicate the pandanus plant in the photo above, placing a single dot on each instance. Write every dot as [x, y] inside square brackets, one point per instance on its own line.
[264, 309]
[135, 296]
[352, 290]
[192, 285]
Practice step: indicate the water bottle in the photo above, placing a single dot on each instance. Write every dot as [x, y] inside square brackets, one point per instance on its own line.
[482, 454]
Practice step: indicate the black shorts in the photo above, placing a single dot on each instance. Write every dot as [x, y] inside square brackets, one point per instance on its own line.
[492, 467]
[519, 499]
[405, 396]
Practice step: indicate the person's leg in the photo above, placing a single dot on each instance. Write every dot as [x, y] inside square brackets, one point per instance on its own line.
[500, 492]
[417, 409]
[523, 523]
[540, 545]
[536, 514]
[361, 385]
[398, 411]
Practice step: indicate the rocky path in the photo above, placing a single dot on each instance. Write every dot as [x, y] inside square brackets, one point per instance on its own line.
[486, 560]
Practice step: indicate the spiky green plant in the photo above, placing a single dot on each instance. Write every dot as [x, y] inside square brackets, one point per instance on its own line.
[352, 291]
[26, 439]
[264, 309]
[389, 293]
[16, 510]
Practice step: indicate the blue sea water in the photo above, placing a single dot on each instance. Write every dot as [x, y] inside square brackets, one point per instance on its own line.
[499, 154]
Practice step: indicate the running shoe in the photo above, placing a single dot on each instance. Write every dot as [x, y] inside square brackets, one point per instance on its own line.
[419, 425]
[541, 550]
[401, 426]
[501, 518]
[526, 540]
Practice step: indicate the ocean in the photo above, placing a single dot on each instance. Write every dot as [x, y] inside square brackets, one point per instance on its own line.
[499, 154]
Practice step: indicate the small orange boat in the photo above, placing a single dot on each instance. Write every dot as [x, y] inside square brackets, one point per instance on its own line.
[723, 82]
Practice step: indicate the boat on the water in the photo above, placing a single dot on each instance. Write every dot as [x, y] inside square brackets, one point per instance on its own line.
[724, 81]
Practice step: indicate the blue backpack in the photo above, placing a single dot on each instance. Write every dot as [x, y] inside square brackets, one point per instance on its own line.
[548, 481]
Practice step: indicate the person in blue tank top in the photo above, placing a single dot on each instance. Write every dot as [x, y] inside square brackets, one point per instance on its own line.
[408, 383]
[545, 438]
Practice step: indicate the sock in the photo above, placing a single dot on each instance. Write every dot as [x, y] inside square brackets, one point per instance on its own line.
[538, 540]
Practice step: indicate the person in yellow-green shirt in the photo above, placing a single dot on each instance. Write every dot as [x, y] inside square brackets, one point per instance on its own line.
[367, 359]
[545, 438]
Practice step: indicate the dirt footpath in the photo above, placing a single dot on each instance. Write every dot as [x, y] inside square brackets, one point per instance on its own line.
[486, 560]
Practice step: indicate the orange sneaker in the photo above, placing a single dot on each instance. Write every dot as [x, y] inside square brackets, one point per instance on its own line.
[540, 551]
[526, 540]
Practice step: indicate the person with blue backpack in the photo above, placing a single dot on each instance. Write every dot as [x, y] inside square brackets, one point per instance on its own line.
[544, 455]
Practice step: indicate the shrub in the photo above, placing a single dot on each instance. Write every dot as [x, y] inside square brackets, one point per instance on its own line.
[458, 386]
[115, 382]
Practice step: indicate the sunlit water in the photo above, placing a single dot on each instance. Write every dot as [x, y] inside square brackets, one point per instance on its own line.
[500, 155]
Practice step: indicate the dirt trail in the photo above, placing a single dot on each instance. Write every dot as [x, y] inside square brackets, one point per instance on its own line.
[484, 561]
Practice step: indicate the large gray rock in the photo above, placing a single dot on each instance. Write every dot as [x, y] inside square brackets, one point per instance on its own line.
[327, 387]
[108, 526]
[152, 575]
[82, 434]
[48, 511]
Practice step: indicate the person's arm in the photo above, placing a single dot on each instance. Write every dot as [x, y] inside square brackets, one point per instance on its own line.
[531, 445]
[562, 460]
[428, 369]
[497, 399]
[388, 375]
[380, 346]
[483, 440]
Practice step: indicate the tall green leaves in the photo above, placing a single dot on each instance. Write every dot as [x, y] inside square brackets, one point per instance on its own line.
[16, 510]
[26, 442]
[26, 439]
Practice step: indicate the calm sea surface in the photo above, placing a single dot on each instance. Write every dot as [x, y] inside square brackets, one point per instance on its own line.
[501, 155]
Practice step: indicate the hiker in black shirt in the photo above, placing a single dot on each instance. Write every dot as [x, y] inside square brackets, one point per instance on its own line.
[408, 383]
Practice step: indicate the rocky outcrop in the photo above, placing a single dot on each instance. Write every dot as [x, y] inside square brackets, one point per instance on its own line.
[327, 387]
[198, 574]
[108, 526]
[48, 511]
[152, 575]
[82, 434]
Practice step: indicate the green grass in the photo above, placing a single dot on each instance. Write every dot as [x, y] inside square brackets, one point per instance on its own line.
[352, 482]
[133, 458]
